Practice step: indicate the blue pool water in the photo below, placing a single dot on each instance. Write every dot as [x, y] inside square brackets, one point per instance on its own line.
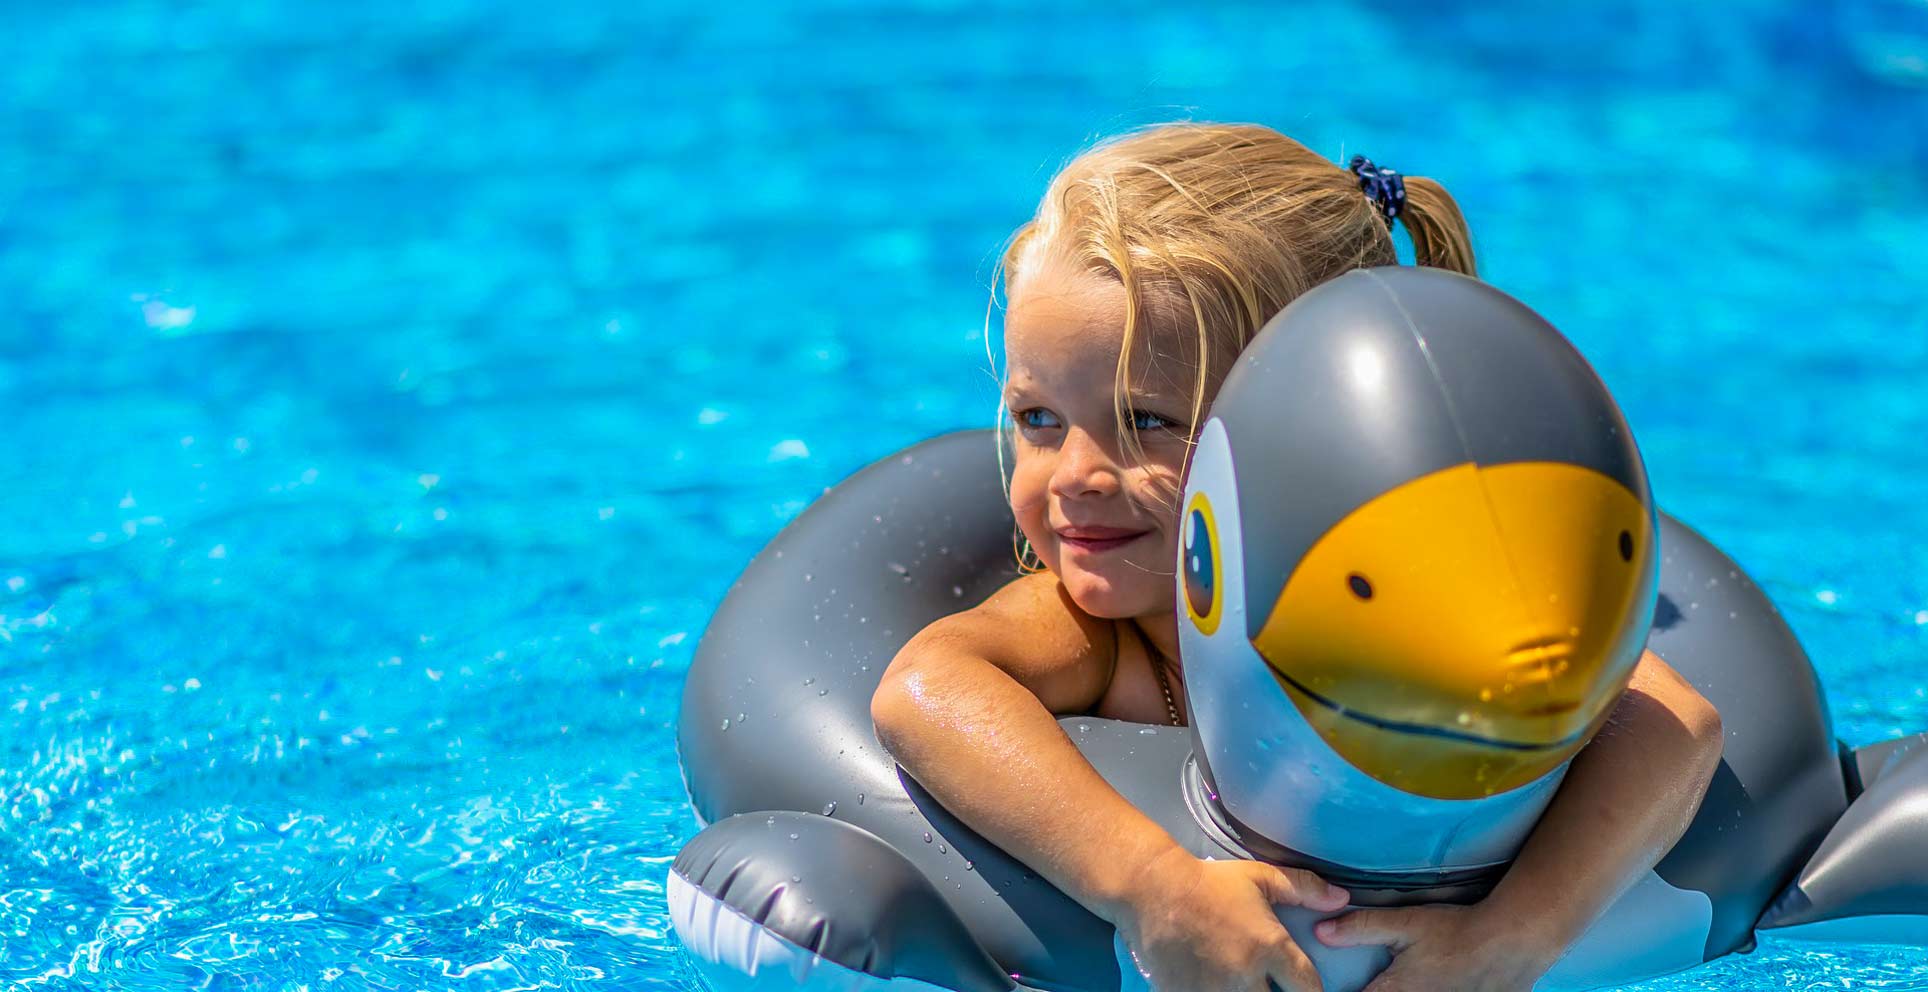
[391, 391]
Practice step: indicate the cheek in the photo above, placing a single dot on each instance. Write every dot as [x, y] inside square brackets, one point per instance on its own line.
[1030, 486]
[1158, 490]
[1030, 502]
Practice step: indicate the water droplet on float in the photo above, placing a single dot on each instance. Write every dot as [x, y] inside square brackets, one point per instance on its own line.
[968, 866]
[902, 571]
[1084, 728]
[860, 799]
[809, 681]
[796, 878]
[793, 836]
[823, 692]
[726, 723]
[941, 849]
[957, 592]
[1148, 730]
[740, 718]
[829, 808]
[1464, 718]
[927, 836]
[807, 576]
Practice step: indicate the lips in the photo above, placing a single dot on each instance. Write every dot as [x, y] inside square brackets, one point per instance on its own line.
[1095, 539]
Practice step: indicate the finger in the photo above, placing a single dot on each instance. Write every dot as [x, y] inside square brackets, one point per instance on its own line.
[1295, 887]
[1290, 970]
[1391, 980]
[1385, 927]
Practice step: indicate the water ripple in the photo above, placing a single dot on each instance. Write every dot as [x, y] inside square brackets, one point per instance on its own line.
[391, 395]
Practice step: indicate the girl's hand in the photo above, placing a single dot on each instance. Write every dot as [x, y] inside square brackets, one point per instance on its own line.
[1445, 947]
[1211, 926]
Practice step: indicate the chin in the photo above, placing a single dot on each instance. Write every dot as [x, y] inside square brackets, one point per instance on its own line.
[1105, 598]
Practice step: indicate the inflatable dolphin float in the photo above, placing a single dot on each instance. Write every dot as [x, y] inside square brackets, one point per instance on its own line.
[1419, 562]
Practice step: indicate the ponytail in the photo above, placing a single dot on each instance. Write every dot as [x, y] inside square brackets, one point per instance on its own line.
[1438, 229]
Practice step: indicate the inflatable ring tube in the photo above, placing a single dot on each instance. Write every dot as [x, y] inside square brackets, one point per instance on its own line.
[775, 720]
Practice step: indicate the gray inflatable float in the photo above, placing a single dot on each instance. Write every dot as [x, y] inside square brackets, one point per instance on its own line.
[1314, 521]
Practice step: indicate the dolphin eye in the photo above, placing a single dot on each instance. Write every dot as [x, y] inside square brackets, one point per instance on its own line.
[1359, 586]
[1626, 546]
[1201, 586]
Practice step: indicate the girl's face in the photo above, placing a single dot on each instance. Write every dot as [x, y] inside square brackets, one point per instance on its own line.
[1105, 524]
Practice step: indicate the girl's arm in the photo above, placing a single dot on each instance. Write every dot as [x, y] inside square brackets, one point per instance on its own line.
[1628, 796]
[967, 708]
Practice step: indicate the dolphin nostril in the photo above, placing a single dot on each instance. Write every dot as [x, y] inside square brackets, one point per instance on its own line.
[1540, 659]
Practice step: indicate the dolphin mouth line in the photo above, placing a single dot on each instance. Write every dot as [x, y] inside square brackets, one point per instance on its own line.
[1421, 729]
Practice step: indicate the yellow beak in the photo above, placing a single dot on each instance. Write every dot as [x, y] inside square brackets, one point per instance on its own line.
[1467, 632]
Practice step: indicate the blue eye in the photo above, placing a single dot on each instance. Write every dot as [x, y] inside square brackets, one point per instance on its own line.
[1036, 418]
[1201, 572]
[1145, 420]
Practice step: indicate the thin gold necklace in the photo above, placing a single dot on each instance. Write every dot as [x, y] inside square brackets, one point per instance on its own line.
[1158, 663]
[1165, 686]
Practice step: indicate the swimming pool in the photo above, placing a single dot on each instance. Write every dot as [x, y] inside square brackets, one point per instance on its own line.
[390, 395]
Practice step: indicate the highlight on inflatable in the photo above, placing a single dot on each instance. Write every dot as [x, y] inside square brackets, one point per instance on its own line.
[1420, 560]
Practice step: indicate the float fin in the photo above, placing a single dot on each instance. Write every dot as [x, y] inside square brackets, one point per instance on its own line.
[1865, 765]
[813, 902]
[1869, 878]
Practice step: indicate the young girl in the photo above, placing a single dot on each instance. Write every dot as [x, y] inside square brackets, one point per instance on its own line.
[1152, 261]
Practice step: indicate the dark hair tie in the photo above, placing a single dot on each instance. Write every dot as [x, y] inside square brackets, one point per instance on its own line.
[1385, 187]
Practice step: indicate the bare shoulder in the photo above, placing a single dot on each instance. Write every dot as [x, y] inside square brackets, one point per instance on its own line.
[1653, 678]
[1033, 632]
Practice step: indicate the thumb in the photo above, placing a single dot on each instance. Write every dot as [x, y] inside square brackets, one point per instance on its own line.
[1297, 887]
[1385, 927]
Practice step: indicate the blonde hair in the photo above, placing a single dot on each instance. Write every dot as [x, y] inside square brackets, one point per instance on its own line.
[1219, 226]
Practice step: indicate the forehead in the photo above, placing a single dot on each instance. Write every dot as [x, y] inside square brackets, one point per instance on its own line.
[1057, 308]
[1064, 319]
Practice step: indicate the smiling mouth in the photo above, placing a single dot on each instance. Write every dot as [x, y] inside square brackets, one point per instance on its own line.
[1097, 539]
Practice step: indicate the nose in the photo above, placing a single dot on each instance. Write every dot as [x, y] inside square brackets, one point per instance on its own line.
[1084, 468]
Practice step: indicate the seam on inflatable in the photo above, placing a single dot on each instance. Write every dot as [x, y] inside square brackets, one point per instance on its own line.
[804, 963]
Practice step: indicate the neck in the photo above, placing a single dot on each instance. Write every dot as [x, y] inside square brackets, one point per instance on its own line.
[1162, 630]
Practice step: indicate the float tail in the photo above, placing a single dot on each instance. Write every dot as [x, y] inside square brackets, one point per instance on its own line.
[1868, 881]
[782, 900]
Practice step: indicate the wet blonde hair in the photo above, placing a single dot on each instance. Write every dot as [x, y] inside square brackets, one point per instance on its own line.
[1212, 229]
